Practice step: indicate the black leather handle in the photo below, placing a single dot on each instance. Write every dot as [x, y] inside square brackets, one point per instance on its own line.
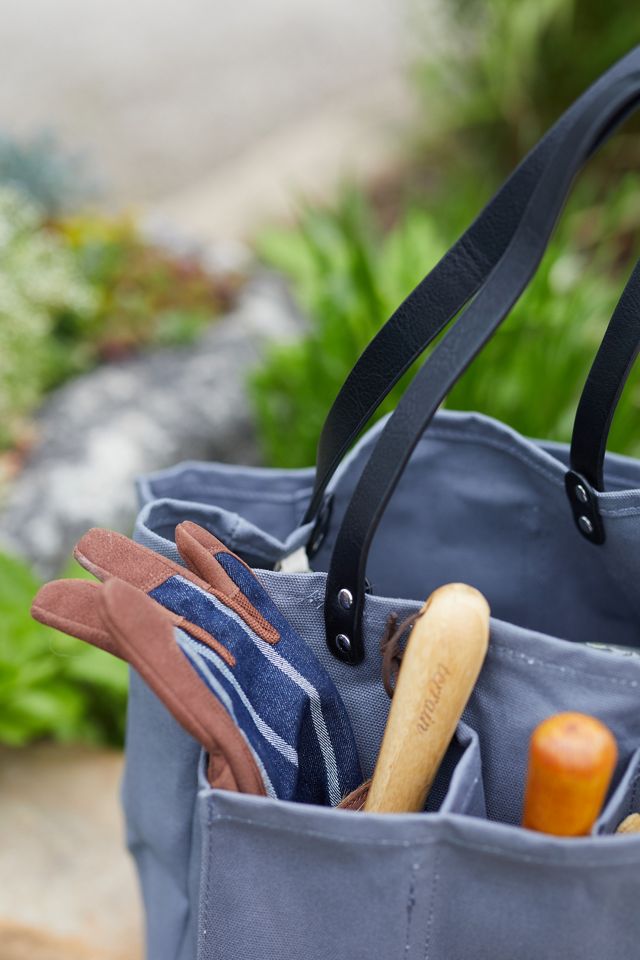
[346, 578]
[614, 361]
[441, 295]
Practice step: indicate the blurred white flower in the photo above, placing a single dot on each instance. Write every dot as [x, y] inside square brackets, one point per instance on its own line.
[39, 283]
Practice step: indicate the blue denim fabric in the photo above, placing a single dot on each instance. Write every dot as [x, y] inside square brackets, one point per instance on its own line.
[280, 697]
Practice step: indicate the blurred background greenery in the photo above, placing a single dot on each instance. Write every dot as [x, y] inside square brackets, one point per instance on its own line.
[486, 100]
[79, 288]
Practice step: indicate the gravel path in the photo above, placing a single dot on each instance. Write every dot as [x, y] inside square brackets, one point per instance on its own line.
[164, 93]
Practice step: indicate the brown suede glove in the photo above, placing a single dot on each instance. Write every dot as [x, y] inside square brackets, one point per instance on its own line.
[125, 622]
[215, 649]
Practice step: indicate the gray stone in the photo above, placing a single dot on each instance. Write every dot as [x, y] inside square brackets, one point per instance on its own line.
[98, 432]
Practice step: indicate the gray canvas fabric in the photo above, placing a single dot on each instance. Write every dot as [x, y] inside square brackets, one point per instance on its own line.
[229, 876]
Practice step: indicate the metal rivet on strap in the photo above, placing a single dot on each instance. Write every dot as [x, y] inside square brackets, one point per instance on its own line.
[584, 507]
[343, 643]
[345, 599]
[585, 525]
[581, 493]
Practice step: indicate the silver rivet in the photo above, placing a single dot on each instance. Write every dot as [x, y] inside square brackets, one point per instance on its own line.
[345, 599]
[581, 493]
[343, 643]
[585, 525]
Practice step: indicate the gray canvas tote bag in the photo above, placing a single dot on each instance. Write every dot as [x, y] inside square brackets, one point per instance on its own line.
[549, 533]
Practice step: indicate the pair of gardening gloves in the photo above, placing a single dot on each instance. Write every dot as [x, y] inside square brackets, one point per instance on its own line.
[213, 646]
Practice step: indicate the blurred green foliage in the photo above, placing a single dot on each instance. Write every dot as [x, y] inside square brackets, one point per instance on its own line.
[83, 289]
[509, 72]
[349, 276]
[75, 290]
[143, 294]
[52, 685]
[41, 287]
[510, 69]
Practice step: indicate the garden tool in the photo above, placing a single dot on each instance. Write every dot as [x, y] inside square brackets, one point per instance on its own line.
[440, 666]
[215, 649]
[572, 757]
[630, 824]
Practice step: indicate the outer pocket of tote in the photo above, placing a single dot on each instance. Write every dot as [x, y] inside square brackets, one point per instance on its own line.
[284, 881]
[293, 882]
[500, 892]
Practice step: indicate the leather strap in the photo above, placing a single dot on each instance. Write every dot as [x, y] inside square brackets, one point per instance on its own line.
[506, 282]
[614, 361]
[441, 295]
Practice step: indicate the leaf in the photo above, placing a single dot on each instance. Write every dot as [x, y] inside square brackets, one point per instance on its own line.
[52, 685]
[350, 278]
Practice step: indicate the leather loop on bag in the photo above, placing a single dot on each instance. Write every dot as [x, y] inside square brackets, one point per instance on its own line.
[611, 368]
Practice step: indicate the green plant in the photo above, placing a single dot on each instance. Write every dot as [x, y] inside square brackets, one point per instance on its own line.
[82, 290]
[348, 277]
[511, 70]
[52, 685]
[507, 75]
[41, 288]
[144, 294]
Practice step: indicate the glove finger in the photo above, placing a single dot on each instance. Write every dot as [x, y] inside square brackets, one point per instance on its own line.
[148, 640]
[105, 554]
[199, 549]
[73, 607]
[231, 579]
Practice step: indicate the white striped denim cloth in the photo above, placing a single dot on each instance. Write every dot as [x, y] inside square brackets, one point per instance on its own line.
[280, 697]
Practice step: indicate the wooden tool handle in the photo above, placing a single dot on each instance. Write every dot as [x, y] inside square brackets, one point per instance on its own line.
[571, 761]
[440, 666]
[630, 824]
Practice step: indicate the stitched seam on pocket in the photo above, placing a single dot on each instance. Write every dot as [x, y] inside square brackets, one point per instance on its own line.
[296, 831]
[517, 856]
[248, 495]
[544, 861]
[432, 905]
[618, 512]
[204, 918]
[411, 902]
[502, 650]
[467, 796]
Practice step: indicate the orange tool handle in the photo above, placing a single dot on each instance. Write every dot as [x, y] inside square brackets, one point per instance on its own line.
[572, 757]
